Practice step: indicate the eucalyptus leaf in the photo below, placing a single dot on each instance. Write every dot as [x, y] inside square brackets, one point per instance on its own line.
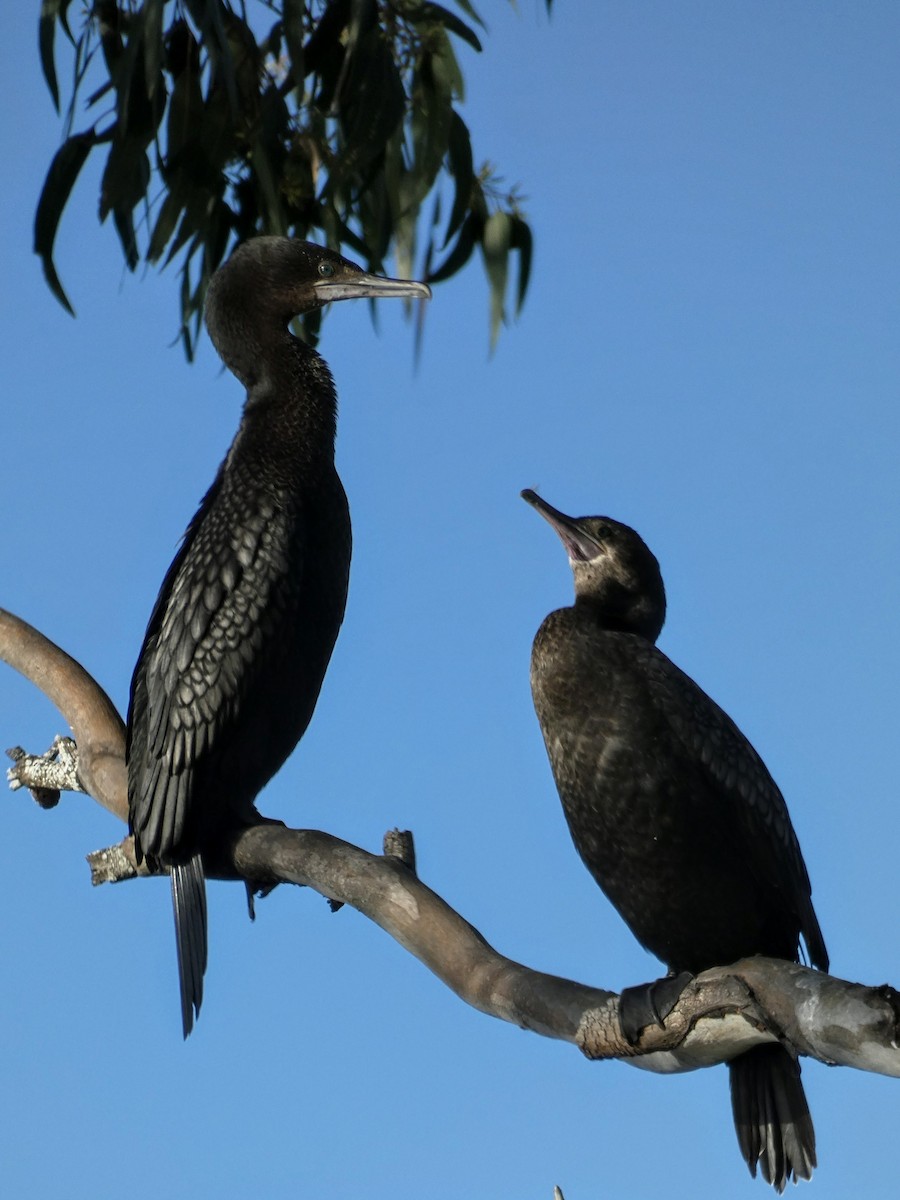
[521, 240]
[64, 169]
[124, 223]
[241, 145]
[46, 37]
[293, 12]
[495, 243]
[125, 176]
[459, 155]
[441, 16]
[372, 101]
[163, 230]
[470, 12]
[153, 44]
[461, 252]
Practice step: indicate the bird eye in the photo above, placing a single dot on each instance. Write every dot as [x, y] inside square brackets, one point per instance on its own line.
[326, 269]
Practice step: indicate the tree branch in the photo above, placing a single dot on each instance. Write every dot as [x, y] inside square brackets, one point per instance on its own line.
[98, 729]
[720, 1013]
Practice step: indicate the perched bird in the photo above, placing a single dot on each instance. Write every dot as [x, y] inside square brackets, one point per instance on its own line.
[673, 812]
[243, 628]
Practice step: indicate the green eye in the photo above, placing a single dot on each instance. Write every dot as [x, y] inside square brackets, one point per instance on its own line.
[326, 270]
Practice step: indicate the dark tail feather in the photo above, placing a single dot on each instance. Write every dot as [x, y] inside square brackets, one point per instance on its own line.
[189, 901]
[771, 1116]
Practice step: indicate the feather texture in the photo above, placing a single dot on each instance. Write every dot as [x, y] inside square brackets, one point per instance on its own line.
[673, 811]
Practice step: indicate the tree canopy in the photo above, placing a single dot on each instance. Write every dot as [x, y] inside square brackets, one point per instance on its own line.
[336, 120]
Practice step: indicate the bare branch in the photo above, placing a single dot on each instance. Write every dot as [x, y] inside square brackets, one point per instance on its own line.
[46, 775]
[117, 863]
[720, 1013]
[98, 729]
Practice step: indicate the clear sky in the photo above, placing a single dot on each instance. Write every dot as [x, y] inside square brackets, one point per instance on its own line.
[709, 353]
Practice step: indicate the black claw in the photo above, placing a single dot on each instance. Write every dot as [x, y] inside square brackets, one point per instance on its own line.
[667, 992]
[649, 1004]
[258, 891]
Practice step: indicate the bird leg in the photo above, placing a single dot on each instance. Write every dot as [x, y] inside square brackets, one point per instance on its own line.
[650, 1003]
[260, 888]
[255, 890]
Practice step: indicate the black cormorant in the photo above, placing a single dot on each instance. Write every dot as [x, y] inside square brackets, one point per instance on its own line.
[672, 811]
[242, 630]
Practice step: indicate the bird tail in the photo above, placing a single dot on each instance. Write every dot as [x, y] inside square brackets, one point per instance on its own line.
[189, 902]
[771, 1116]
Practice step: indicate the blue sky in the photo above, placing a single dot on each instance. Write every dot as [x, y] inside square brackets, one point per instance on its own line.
[709, 353]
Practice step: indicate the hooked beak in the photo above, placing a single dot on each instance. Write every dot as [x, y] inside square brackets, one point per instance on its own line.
[363, 285]
[580, 546]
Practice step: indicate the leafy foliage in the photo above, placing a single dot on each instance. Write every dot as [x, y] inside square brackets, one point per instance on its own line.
[329, 119]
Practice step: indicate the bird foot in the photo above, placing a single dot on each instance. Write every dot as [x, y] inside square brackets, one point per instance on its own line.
[257, 890]
[649, 1004]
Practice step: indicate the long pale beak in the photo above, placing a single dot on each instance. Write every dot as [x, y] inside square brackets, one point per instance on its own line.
[580, 546]
[364, 285]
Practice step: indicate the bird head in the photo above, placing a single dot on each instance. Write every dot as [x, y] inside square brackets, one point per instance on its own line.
[615, 572]
[268, 281]
[286, 276]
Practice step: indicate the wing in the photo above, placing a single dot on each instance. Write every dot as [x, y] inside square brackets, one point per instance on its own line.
[743, 781]
[206, 644]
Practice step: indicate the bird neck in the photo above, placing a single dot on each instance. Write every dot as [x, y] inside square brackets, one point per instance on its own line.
[290, 414]
[617, 614]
